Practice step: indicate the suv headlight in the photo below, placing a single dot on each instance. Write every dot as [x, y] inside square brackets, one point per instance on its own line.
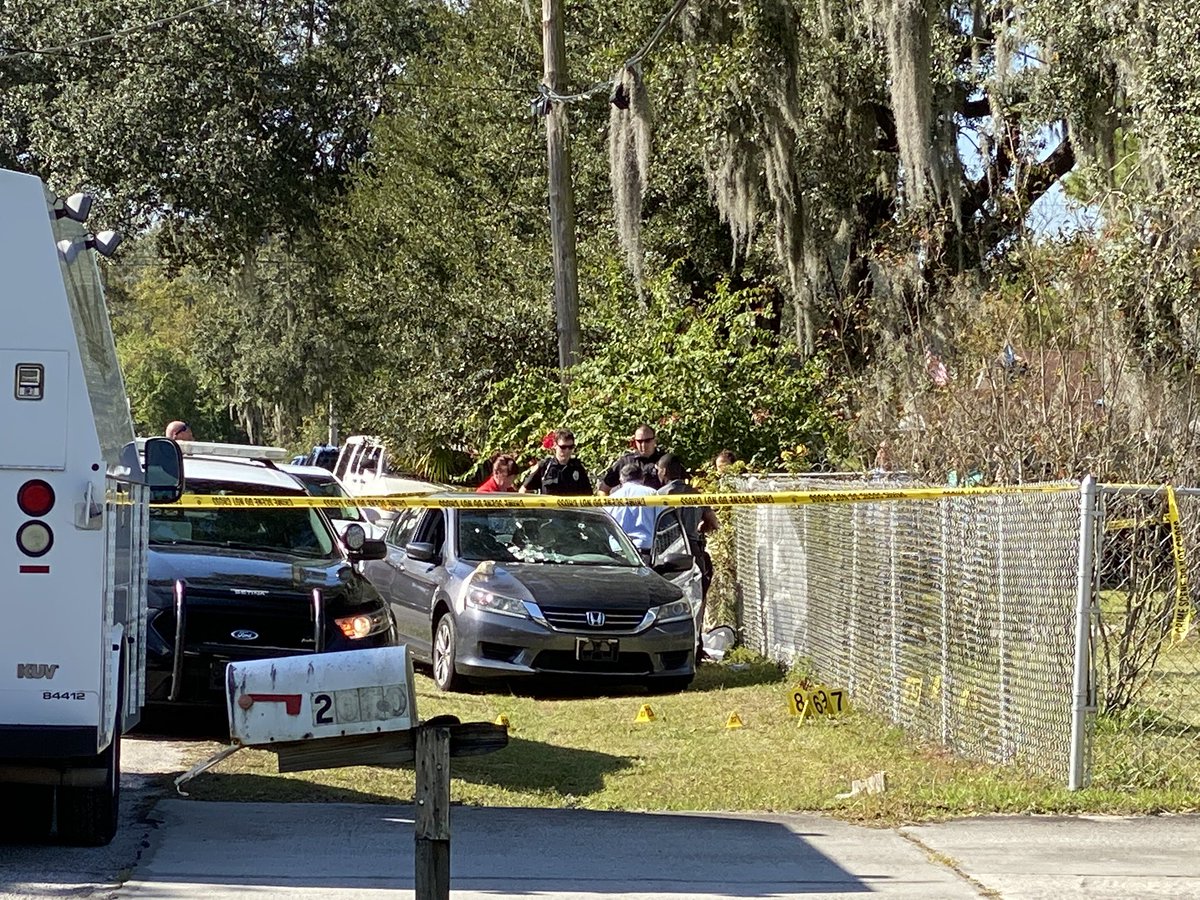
[672, 612]
[481, 598]
[363, 625]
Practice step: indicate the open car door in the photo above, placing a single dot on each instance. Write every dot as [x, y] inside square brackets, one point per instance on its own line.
[671, 543]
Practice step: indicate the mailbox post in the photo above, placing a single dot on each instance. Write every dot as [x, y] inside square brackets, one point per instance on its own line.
[431, 827]
[356, 708]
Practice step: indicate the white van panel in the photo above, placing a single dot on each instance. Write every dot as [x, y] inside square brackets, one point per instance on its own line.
[35, 431]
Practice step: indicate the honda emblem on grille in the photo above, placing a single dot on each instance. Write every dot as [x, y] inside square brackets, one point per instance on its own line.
[244, 634]
[595, 618]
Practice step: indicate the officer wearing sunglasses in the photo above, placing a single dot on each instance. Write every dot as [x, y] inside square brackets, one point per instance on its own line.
[561, 473]
[645, 453]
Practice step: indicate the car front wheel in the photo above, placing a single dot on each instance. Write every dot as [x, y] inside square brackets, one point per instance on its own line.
[445, 642]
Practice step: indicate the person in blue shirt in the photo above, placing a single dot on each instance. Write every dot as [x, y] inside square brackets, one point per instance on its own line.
[636, 521]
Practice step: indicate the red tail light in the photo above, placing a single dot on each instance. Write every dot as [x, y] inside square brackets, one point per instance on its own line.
[36, 497]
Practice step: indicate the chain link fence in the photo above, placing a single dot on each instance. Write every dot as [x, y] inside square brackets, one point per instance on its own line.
[1145, 652]
[955, 617]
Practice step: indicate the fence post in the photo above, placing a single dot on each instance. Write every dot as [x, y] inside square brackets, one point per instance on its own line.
[805, 579]
[945, 642]
[1087, 537]
[895, 612]
[432, 826]
[1006, 741]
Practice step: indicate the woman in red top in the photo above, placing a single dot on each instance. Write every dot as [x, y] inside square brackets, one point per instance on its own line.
[503, 478]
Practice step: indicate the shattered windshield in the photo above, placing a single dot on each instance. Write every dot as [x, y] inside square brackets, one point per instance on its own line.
[573, 537]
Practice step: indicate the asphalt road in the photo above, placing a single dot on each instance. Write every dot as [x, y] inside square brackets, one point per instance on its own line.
[176, 849]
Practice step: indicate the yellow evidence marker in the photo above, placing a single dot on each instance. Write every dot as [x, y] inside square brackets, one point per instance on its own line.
[816, 701]
[735, 721]
[502, 719]
[645, 714]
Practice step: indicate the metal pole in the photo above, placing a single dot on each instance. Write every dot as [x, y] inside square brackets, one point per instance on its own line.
[1083, 607]
[562, 198]
[945, 636]
[855, 576]
[893, 580]
[1006, 742]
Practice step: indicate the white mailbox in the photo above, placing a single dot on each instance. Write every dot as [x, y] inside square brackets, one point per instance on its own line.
[297, 698]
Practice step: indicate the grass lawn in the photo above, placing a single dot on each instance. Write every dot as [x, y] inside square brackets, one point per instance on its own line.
[588, 751]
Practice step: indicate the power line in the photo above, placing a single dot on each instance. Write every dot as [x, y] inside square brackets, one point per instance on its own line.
[548, 95]
[132, 29]
[658, 32]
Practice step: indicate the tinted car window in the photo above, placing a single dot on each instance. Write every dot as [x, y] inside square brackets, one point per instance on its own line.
[294, 531]
[369, 461]
[432, 529]
[669, 536]
[328, 487]
[575, 537]
[402, 528]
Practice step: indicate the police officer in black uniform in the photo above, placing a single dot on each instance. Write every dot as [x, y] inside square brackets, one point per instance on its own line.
[646, 454]
[561, 473]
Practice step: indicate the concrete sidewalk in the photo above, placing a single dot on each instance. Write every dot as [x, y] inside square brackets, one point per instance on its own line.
[223, 850]
[1071, 856]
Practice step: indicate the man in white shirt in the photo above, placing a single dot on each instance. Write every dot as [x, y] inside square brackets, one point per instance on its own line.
[636, 521]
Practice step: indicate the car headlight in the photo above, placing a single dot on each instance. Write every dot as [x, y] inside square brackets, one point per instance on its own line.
[482, 598]
[672, 612]
[363, 625]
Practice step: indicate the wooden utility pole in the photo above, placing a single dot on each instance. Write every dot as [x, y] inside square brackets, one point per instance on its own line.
[562, 197]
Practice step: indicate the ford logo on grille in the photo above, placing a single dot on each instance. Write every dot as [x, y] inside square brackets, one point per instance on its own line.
[244, 634]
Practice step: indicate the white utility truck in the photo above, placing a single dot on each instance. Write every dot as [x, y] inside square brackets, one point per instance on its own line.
[74, 492]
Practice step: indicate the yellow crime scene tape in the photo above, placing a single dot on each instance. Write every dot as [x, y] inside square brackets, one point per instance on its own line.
[543, 501]
[1181, 619]
[1181, 622]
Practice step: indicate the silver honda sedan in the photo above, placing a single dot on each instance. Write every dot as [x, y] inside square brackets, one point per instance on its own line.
[487, 593]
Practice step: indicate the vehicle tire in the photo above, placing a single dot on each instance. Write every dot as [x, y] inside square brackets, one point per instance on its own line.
[671, 684]
[87, 816]
[29, 812]
[445, 647]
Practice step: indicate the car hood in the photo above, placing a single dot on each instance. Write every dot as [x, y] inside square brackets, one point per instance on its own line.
[215, 567]
[581, 586]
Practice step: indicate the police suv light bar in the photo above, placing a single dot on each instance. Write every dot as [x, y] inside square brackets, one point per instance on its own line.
[240, 451]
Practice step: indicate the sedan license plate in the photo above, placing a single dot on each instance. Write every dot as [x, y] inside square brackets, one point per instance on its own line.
[590, 650]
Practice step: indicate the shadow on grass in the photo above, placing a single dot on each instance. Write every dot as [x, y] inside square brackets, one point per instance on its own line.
[718, 676]
[522, 766]
[709, 677]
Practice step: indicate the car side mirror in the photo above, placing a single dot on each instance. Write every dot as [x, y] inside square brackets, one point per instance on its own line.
[164, 469]
[672, 563]
[421, 550]
[371, 548]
